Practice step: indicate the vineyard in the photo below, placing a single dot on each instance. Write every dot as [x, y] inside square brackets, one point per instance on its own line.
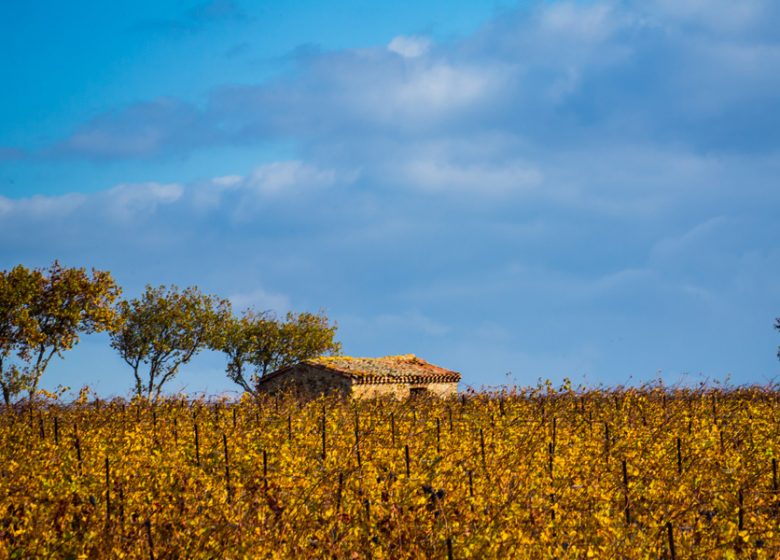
[533, 473]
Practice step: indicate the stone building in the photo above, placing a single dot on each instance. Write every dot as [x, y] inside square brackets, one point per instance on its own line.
[399, 376]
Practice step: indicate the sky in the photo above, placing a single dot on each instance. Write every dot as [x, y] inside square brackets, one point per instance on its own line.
[516, 191]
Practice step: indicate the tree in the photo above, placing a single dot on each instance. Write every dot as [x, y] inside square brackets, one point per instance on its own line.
[259, 343]
[163, 330]
[43, 312]
[777, 326]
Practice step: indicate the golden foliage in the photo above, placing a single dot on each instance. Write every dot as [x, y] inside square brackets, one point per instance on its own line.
[535, 473]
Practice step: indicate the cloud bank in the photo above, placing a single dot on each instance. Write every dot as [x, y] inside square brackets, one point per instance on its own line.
[582, 189]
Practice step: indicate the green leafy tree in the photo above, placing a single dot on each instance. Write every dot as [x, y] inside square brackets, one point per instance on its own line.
[163, 330]
[43, 313]
[258, 343]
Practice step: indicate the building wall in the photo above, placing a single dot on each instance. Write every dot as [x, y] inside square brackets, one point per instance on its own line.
[308, 381]
[401, 390]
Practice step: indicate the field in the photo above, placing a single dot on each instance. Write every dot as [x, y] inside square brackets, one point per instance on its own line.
[534, 473]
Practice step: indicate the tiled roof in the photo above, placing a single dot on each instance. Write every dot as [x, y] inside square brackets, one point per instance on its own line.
[388, 369]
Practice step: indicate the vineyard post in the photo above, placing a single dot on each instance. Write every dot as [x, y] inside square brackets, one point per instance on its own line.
[265, 471]
[670, 537]
[449, 549]
[121, 510]
[77, 444]
[324, 436]
[227, 469]
[406, 457]
[774, 485]
[235, 420]
[148, 526]
[438, 435]
[392, 427]
[482, 448]
[625, 486]
[175, 431]
[714, 409]
[679, 456]
[56, 431]
[289, 429]
[339, 490]
[357, 439]
[471, 490]
[40, 426]
[606, 441]
[740, 511]
[197, 445]
[550, 453]
[108, 493]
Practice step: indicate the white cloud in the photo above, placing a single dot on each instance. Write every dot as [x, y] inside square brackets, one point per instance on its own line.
[438, 175]
[409, 46]
[285, 176]
[129, 202]
[261, 299]
[42, 206]
[434, 91]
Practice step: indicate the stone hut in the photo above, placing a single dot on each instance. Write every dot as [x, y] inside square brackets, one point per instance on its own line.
[399, 376]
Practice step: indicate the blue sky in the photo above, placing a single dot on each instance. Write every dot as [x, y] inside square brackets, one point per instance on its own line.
[515, 191]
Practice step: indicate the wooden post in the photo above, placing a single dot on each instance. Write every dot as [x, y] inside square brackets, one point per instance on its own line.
[550, 453]
[482, 448]
[554, 431]
[339, 490]
[77, 444]
[108, 492]
[406, 456]
[670, 536]
[265, 471]
[449, 549]
[627, 507]
[197, 446]
[148, 526]
[740, 511]
[56, 431]
[121, 510]
[324, 439]
[227, 469]
[679, 456]
[438, 435]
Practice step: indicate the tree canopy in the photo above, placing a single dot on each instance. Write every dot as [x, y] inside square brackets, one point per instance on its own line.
[259, 343]
[43, 312]
[164, 329]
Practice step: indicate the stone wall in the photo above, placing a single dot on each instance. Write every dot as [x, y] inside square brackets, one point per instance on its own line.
[401, 390]
[307, 381]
